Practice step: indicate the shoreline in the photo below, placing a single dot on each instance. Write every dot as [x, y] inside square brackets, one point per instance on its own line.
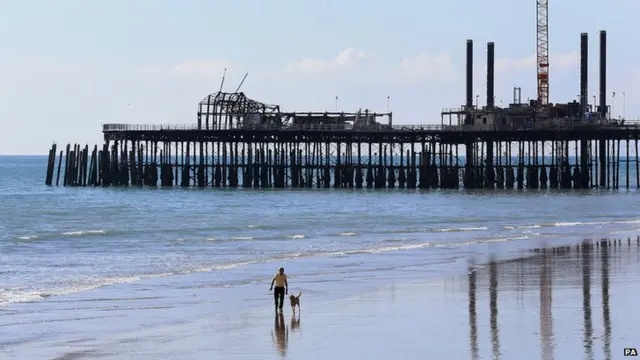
[477, 249]
[176, 324]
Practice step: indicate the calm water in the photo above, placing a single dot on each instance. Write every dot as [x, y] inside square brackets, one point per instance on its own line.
[57, 241]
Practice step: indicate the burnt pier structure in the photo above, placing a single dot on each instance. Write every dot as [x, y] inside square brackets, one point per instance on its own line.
[240, 142]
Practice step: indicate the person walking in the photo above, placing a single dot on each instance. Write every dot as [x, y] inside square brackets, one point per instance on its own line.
[281, 289]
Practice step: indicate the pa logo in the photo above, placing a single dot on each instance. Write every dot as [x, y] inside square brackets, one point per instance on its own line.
[630, 352]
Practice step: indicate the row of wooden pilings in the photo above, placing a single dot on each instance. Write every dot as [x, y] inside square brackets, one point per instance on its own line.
[317, 165]
[78, 170]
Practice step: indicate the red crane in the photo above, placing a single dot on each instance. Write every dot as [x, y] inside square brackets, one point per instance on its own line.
[542, 27]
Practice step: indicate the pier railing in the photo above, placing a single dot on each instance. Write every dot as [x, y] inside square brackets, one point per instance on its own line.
[559, 125]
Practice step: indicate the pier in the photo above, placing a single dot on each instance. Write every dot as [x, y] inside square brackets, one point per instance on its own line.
[238, 142]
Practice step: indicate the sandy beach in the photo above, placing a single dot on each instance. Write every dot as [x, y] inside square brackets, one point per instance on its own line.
[561, 303]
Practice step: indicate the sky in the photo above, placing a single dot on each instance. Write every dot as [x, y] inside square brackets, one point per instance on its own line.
[68, 66]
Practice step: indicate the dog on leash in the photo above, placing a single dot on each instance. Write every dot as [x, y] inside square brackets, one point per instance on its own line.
[295, 300]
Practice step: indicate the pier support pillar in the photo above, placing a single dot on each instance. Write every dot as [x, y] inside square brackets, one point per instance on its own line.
[468, 166]
[490, 174]
[584, 164]
[602, 160]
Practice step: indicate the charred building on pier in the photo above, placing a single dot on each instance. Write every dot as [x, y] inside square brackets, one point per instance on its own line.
[221, 111]
[519, 115]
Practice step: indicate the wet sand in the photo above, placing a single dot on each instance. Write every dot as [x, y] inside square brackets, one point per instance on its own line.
[577, 302]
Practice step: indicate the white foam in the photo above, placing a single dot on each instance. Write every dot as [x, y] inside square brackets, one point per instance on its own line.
[32, 237]
[464, 243]
[336, 253]
[561, 224]
[577, 223]
[482, 228]
[8, 296]
[628, 222]
[80, 233]
[373, 250]
[480, 241]
[504, 239]
[570, 224]
[297, 237]
[348, 234]
[513, 227]
[242, 238]
[400, 248]
[230, 266]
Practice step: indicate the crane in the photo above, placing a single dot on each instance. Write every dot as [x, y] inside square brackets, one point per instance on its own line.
[542, 53]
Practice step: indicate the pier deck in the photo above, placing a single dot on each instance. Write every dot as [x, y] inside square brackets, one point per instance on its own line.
[457, 134]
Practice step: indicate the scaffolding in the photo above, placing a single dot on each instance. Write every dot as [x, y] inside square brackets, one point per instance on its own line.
[223, 110]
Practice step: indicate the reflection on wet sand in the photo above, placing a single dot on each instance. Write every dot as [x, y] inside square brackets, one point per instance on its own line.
[473, 322]
[493, 305]
[606, 319]
[295, 321]
[546, 319]
[550, 263]
[585, 257]
[281, 333]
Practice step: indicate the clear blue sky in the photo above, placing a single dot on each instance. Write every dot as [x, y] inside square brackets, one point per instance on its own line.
[68, 66]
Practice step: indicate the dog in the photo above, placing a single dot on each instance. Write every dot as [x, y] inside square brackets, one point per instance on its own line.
[295, 300]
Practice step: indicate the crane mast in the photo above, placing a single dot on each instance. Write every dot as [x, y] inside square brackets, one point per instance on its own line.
[542, 27]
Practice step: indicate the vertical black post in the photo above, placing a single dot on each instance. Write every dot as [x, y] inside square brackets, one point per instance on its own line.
[603, 72]
[469, 74]
[490, 74]
[584, 100]
[584, 73]
[602, 146]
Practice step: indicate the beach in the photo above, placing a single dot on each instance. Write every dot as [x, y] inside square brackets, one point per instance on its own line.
[569, 302]
[184, 273]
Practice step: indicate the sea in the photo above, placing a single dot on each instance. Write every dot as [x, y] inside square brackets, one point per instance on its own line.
[57, 241]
